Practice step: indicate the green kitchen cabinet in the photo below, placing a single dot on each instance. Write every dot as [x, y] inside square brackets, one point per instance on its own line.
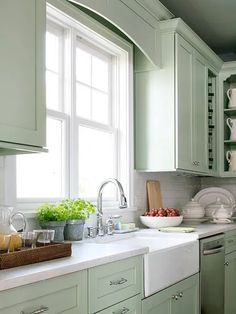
[180, 298]
[191, 120]
[171, 113]
[65, 294]
[230, 283]
[22, 72]
[230, 272]
[114, 282]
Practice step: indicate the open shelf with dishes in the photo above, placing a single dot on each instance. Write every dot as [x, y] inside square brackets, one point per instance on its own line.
[229, 108]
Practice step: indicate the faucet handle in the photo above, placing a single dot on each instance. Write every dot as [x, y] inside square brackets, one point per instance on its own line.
[92, 232]
[110, 225]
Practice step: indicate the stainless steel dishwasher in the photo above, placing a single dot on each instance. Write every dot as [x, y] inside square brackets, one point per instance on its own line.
[212, 275]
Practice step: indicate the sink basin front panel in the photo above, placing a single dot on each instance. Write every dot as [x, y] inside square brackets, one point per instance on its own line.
[166, 267]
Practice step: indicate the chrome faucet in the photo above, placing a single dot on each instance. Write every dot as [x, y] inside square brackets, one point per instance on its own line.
[123, 202]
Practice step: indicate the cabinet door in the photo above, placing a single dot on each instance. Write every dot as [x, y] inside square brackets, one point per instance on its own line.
[186, 298]
[230, 283]
[180, 298]
[199, 111]
[22, 71]
[158, 303]
[184, 65]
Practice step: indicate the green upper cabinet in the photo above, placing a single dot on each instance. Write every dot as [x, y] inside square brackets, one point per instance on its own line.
[171, 104]
[22, 75]
[191, 108]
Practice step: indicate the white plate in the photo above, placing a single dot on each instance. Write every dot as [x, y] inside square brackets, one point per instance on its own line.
[195, 220]
[209, 195]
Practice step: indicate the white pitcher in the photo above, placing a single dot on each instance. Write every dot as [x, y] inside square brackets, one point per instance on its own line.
[232, 126]
[231, 158]
[231, 93]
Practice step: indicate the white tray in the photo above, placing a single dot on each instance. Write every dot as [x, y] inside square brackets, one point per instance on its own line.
[126, 231]
[209, 195]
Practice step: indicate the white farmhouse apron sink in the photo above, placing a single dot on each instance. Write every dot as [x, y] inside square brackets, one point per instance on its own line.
[171, 257]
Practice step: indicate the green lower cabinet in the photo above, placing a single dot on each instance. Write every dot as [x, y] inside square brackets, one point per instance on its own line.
[230, 283]
[114, 282]
[65, 294]
[181, 298]
[130, 306]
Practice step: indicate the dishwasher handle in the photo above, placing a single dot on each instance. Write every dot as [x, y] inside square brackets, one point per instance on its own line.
[215, 250]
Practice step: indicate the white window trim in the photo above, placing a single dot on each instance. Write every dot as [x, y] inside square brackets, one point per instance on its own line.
[106, 36]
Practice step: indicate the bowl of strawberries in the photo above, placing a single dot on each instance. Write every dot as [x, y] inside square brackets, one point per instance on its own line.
[161, 217]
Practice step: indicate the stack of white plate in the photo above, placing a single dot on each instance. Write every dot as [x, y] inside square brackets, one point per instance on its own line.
[210, 196]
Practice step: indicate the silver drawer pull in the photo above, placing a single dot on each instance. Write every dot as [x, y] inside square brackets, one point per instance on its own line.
[118, 282]
[213, 251]
[39, 311]
[124, 310]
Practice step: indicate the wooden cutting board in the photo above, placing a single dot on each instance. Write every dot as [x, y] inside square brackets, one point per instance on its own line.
[154, 199]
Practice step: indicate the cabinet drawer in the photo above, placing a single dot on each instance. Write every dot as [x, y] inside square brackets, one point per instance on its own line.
[64, 294]
[230, 242]
[114, 282]
[130, 306]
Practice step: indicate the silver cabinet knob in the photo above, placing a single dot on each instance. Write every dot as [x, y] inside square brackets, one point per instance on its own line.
[175, 297]
[180, 294]
[226, 263]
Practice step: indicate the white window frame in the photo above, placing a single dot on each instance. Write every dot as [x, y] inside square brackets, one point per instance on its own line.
[124, 52]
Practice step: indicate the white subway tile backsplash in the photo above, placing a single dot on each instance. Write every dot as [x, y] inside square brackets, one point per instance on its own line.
[176, 190]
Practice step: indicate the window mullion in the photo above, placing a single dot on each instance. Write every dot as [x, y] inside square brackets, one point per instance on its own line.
[74, 126]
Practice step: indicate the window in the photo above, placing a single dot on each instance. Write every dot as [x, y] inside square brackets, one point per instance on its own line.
[89, 114]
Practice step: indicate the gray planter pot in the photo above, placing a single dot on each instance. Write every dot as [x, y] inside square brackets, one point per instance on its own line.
[58, 226]
[74, 230]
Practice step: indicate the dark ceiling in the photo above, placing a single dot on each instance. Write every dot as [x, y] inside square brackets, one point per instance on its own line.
[213, 20]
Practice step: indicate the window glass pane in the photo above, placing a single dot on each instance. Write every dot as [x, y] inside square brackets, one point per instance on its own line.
[99, 74]
[96, 161]
[100, 110]
[83, 66]
[52, 90]
[52, 52]
[83, 101]
[42, 175]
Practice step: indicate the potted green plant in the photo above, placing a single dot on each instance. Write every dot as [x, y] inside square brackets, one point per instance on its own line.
[53, 217]
[77, 211]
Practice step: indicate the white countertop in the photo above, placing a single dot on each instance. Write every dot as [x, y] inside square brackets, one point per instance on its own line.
[87, 254]
[84, 255]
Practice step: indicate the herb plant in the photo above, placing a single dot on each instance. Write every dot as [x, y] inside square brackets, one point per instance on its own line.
[78, 208]
[65, 210]
[50, 212]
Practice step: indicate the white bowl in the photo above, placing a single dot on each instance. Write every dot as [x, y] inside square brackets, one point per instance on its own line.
[159, 222]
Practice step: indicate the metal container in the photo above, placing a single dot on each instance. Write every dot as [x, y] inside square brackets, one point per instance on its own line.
[74, 229]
